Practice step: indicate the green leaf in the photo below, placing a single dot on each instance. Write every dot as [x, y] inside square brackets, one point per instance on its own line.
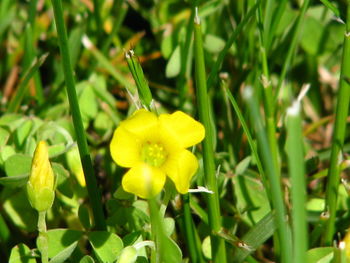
[243, 165]
[102, 123]
[213, 44]
[206, 247]
[60, 239]
[14, 181]
[87, 101]
[251, 198]
[23, 132]
[64, 254]
[173, 66]
[84, 216]
[312, 34]
[169, 225]
[6, 152]
[57, 149]
[11, 120]
[320, 255]
[171, 251]
[106, 245]
[19, 211]
[331, 7]
[87, 259]
[128, 255]
[18, 164]
[255, 237]
[21, 254]
[4, 136]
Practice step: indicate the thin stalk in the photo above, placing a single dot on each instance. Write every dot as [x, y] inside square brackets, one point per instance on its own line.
[338, 136]
[91, 183]
[272, 175]
[185, 51]
[296, 165]
[120, 8]
[278, 12]
[250, 140]
[31, 49]
[293, 45]
[268, 96]
[214, 72]
[97, 16]
[195, 255]
[5, 235]
[42, 241]
[268, 17]
[217, 244]
[16, 100]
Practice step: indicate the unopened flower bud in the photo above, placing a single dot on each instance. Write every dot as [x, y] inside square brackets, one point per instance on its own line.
[41, 183]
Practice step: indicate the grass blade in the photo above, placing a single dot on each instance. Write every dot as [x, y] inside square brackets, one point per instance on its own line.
[272, 175]
[343, 98]
[218, 244]
[91, 183]
[19, 95]
[229, 42]
[296, 165]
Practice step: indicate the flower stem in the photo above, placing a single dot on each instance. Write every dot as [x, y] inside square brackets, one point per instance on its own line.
[338, 137]
[42, 241]
[195, 254]
[267, 92]
[91, 184]
[218, 244]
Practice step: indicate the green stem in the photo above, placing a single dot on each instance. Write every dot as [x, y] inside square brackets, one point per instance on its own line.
[293, 45]
[218, 244]
[296, 165]
[272, 175]
[97, 16]
[338, 137]
[189, 229]
[91, 183]
[217, 66]
[268, 95]
[185, 52]
[119, 8]
[42, 241]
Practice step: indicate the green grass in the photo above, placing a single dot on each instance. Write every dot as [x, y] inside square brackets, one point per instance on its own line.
[274, 165]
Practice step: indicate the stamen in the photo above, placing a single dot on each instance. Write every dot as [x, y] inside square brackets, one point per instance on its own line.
[153, 154]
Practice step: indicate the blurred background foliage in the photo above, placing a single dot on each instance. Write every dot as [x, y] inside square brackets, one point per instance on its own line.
[34, 107]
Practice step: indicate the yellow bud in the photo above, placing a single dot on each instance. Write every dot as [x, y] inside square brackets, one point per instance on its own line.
[41, 183]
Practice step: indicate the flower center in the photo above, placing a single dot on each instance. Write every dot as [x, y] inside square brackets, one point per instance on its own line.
[153, 154]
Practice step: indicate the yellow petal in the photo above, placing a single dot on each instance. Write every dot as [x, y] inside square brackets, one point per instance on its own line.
[41, 174]
[180, 167]
[125, 147]
[144, 181]
[182, 127]
[142, 123]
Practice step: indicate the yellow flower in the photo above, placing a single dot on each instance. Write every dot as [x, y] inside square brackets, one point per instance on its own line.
[155, 147]
[41, 183]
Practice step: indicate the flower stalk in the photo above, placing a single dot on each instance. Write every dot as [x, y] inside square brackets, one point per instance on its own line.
[42, 240]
